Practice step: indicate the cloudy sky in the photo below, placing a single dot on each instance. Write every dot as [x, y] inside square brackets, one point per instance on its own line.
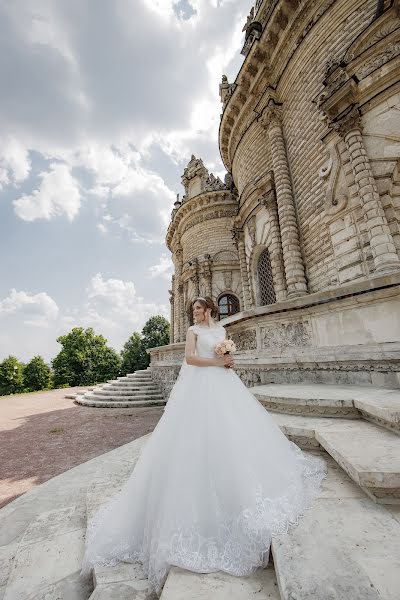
[102, 104]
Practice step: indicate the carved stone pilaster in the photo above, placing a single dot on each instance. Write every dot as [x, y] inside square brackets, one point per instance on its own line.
[238, 239]
[380, 238]
[207, 275]
[294, 268]
[172, 320]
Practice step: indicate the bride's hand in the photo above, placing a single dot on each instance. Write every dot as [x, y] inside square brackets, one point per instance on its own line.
[226, 361]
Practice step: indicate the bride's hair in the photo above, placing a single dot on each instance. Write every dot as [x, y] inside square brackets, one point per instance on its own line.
[207, 303]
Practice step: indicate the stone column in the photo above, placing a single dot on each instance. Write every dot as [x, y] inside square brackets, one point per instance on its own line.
[294, 268]
[171, 300]
[275, 246]
[381, 241]
[207, 274]
[238, 238]
[180, 315]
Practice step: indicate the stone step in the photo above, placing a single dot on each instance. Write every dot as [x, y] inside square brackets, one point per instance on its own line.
[129, 384]
[47, 560]
[187, 585]
[368, 453]
[378, 405]
[118, 403]
[344, 548]
[129, 393]
[100, 395]
[123, 582]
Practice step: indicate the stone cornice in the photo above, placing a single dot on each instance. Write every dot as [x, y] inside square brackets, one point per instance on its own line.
[285, 24]
[200, 206]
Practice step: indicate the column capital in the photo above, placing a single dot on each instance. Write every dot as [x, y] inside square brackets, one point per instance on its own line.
[268, 199]
[237, 236]
[349, 122]
[271, 115]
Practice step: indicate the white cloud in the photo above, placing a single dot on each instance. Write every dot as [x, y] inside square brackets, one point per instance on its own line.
[114, 309]
[57, 194]
[164, 268]
[39, 310]
[14, 161]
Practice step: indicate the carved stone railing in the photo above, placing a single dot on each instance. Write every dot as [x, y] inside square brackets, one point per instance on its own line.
[165, 363]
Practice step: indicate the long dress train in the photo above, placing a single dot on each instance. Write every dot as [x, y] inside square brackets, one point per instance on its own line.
[214, 482]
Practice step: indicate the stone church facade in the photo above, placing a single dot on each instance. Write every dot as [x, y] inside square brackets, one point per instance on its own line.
[300, 245]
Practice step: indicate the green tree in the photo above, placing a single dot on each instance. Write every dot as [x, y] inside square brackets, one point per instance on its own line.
[11, 376]
[85, 359]
[155, 333]
[134, 356]
[37, 375]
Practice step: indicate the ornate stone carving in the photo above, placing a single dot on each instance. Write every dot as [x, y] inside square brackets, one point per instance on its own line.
[226, 90]
[286, 335]
[336, 195]
[271, 115]
[245, 340]
[253, 31]
[208, 182]
[251, 227]
[391, 51]
[348, 122]
[213, 184]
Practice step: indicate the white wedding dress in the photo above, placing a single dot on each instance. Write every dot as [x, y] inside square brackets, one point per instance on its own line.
[215, 481]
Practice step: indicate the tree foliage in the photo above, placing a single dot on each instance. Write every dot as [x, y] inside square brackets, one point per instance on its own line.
[133, 354]
[36, 375]
[155, 332]
[11, 376]
[85, 359]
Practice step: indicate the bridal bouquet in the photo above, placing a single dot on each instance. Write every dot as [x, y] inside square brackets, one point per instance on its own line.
[225, 347]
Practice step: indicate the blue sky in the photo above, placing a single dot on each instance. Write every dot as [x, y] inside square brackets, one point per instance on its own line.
[102, 105]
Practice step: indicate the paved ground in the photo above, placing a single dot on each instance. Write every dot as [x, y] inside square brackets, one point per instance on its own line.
[44, 434]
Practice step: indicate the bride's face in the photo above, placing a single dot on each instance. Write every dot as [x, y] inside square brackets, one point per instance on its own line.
[199, 313]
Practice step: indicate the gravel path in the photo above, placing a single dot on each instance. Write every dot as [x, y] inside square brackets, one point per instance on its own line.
[43, 434]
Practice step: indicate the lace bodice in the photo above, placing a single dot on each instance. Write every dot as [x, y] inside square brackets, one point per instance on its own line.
[207, 338]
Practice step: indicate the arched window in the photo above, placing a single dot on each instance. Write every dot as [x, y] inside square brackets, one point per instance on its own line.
[228, 305]
[265, 279]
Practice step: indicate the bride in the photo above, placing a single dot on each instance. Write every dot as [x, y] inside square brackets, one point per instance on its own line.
[215, 481]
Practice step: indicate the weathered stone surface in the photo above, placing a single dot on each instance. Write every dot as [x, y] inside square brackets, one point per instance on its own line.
[375, 404]
[343, 548]
[367, 452]
[121, 591]
[186, 585]
[51, 527]
[49, 566]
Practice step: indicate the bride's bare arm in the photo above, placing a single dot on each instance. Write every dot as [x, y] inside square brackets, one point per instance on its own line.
[197, 361]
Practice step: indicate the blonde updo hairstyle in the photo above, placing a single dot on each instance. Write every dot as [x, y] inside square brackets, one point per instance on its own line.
[208, 303]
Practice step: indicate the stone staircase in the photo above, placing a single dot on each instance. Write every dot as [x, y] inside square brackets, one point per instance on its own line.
[135, 390]
[347, 547]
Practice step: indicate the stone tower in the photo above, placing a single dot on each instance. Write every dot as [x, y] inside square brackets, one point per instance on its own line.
[204, 254]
